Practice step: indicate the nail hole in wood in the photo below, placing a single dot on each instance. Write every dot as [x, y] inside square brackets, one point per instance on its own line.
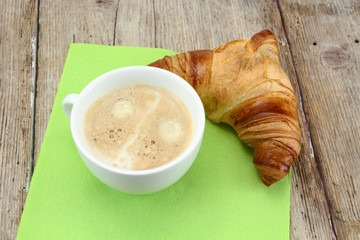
[356, 40]
[314, 43]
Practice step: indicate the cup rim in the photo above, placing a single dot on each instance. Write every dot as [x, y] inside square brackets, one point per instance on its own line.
[196, 140]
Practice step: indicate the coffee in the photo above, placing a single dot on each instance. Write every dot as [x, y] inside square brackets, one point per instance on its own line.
[138, 127]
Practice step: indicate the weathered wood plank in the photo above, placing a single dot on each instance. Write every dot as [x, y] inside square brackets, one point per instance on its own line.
[187, 25]
[324, 38]
[61, 23]
[135, 24]
[17, 41]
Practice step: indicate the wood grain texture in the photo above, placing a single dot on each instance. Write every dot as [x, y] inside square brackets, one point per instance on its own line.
[62, 23]
[135, 24]
[18, 32]
[324, 38]
[189, 25]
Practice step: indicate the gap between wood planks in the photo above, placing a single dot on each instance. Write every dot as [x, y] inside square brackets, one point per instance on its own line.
[307, 130]
[154, 13]
[115, 21]
[34, 65]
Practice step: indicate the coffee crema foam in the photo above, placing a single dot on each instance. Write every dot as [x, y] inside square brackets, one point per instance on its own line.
[138, 127]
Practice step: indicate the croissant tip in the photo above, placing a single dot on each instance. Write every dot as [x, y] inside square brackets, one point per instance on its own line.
[269, 175]
[267, 182]
[265, 32]
[260, 38]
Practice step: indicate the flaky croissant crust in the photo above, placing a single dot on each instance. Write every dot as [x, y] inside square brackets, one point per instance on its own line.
[241, 83]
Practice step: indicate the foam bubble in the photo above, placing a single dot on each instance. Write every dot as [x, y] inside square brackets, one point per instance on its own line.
[171, 131]
[123, 109]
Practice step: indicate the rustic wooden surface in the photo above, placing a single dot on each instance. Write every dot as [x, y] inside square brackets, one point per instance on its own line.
[319, 46]
[324, 40]
[17, 39]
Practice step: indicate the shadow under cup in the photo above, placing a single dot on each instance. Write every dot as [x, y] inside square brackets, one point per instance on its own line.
[144, 181]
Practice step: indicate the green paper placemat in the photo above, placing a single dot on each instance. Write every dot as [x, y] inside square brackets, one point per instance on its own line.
[220, 197]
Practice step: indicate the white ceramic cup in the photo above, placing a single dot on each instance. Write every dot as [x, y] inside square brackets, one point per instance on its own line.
[130, 181]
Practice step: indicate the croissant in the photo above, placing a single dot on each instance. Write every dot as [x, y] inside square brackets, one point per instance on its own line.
[241, 83]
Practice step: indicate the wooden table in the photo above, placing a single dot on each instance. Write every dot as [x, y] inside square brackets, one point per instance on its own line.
[320, 51]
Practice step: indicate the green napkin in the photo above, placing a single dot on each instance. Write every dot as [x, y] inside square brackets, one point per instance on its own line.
[220, 197]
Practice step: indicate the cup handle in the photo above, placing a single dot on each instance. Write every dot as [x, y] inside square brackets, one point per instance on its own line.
[68, 103]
